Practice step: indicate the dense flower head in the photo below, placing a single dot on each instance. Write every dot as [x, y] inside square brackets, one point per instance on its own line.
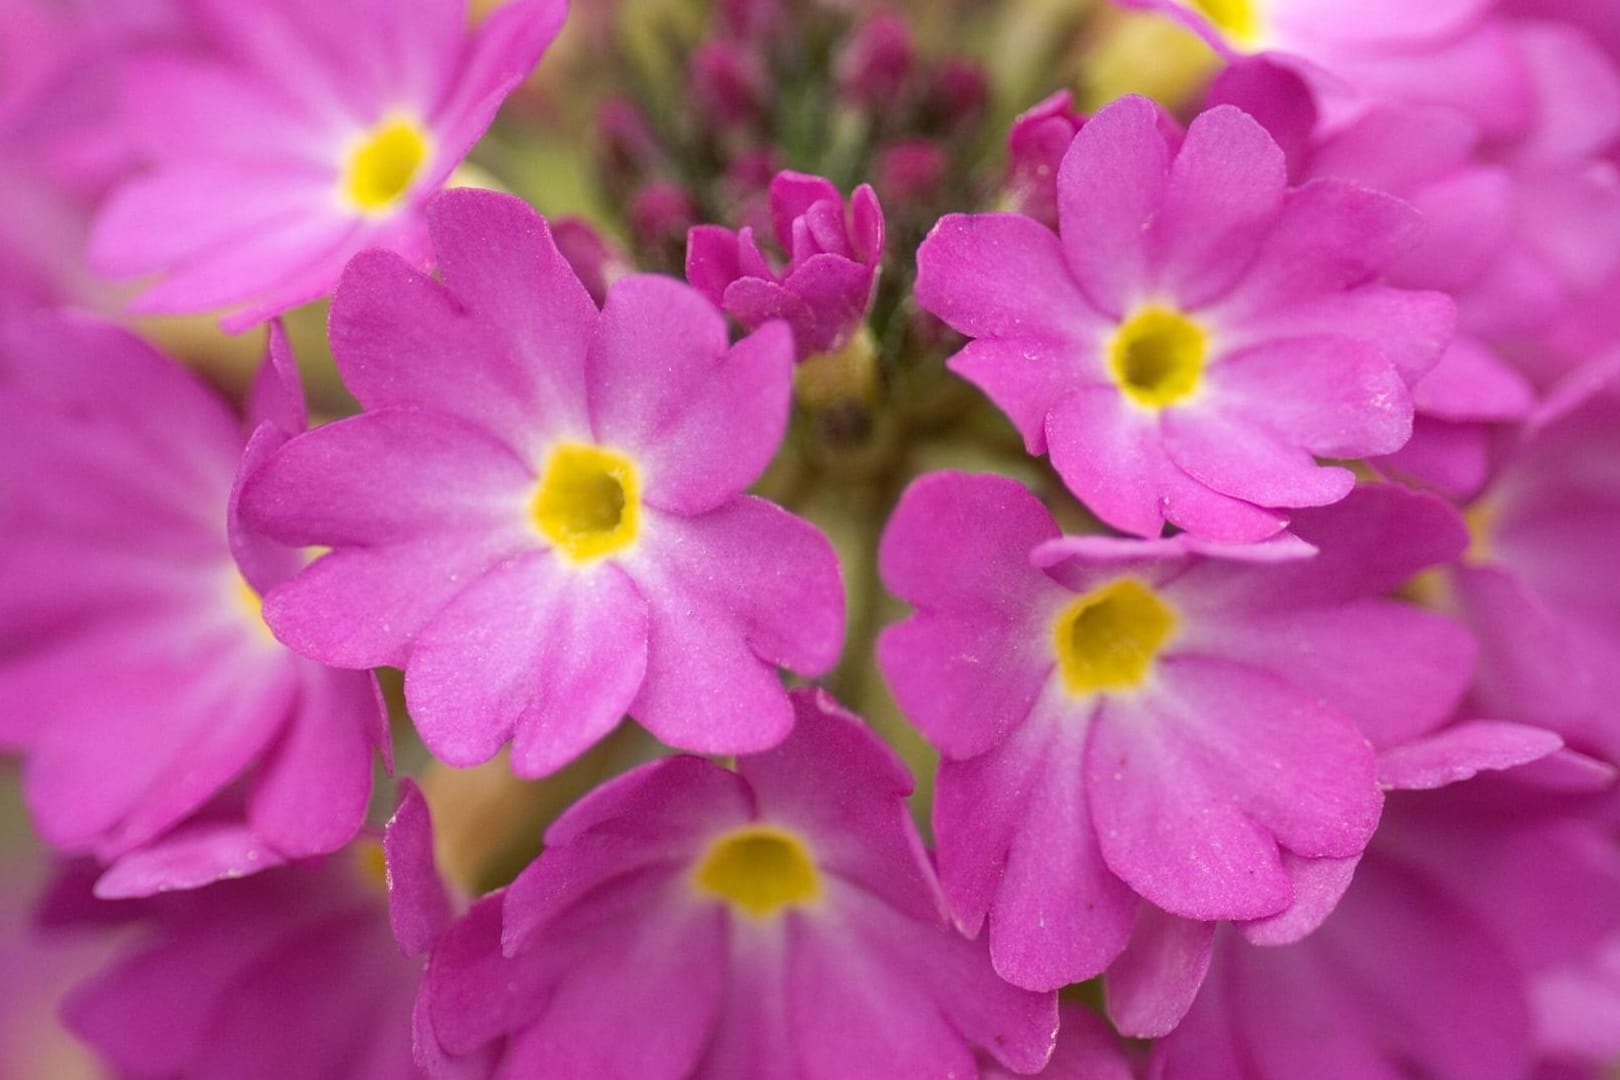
[539, 515]
[299, 134]
[123, 555]
[779, 920]
[1202, 470]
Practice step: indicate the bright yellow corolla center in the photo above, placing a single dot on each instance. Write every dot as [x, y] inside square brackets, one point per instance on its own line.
[1157, 356]
[1108, 638]
[759, 870]
[1237, 20]
[249, 604]
[384, 164]
[588, 503]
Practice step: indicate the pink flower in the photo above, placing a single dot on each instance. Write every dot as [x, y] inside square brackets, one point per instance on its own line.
[288, 975]
[1533, 584]
[140, 679]
[685, 920]
[540, 515]
[824, 291]
[1168, 720]
[308, 132]
[1473, 909]
[1198, 334]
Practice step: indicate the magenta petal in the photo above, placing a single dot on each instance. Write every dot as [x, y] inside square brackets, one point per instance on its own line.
[313, 786]
[277, 393]
[1319, 884]
[190, 857]
[1335, 397]
[1462, 751]
[362, 607]
[1110, 188]
[1248, 728]
[1240, 459]
[1015, 1027]
[1110, 457]
[1392, 669]
[771, 573]
[384, 477]
[1331, 235]
[1001, 275]
[623, 987]
[992, 523]
[506, 46]
[1152, 984]
[706, 427]
[965, 682]
[1027, 377]
[1176, 839]
[418, 903]
[535, 652]
[1471, 383]
[97, 776]
[651, 820]
[1225, 187]
[1059, 914]
[711, 261]
[508, 329]
[849, 1011]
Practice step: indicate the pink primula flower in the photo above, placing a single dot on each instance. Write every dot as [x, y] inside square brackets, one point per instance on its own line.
[1198, 334]
[826, 287]
[291, 974]
[307, 132]
[1473, 913]
[1537, 584]
[138, 676]
[540, 515]
[1171, 721]
[688, 921]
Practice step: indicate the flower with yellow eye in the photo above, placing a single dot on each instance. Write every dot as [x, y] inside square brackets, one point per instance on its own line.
[540, 515]
[303, 134]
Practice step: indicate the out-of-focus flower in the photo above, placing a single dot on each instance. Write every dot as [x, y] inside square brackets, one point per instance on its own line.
[1535, 585]
[1198, 334]
[305, 133]
[540, 516]
[291, 974]
[781, 920]
[1443, 957]
[139, 677]
[824, 290]
[1170, 720]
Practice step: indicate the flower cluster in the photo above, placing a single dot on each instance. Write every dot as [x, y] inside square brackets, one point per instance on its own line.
[892, 556]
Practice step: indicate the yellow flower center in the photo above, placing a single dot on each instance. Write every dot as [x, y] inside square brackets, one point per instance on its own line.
[384, 164]
[759, 870]
[1157, 356]
[1238, 20]
[588, 503]
[1108, 638]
